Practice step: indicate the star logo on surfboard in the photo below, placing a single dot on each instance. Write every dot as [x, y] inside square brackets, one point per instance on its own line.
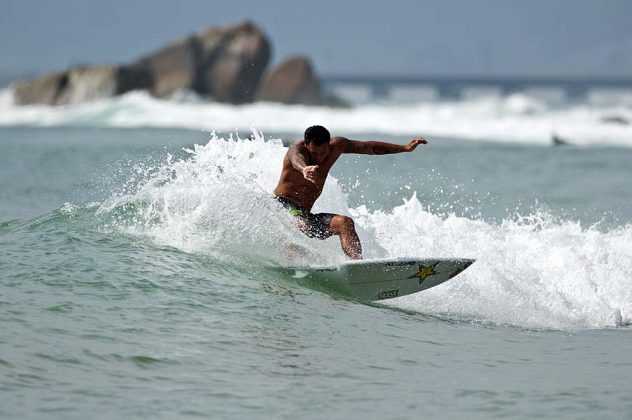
[425, 271]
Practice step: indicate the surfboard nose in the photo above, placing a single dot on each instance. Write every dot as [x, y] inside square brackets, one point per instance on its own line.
[465, 264]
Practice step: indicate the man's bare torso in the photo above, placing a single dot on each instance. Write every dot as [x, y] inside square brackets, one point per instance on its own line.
[294, 187]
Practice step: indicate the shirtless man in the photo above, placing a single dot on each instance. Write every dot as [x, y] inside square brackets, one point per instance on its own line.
[305, 169]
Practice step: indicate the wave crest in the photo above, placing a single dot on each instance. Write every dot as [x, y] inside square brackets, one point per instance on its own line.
[532, 271]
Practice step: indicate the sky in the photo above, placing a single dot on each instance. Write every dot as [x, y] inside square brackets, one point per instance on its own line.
[396, 37]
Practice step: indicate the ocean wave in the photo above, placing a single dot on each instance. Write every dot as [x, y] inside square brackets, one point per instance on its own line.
[533, 271]
[517, 118]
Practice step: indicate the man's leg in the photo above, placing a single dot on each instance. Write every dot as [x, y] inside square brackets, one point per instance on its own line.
[344, 227]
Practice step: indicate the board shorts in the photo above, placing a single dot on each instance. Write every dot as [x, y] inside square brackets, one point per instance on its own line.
[317, 224]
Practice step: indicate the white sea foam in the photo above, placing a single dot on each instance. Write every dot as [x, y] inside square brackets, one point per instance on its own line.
[6, 100]
[531, 271]
[516, 118]
[219, 201]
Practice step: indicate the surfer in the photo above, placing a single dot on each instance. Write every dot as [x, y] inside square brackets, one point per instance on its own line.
[305, 169]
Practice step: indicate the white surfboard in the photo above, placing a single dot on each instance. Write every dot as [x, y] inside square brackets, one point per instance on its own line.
[384, 278]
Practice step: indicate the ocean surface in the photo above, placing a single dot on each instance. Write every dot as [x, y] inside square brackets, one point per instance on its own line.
[140, 257]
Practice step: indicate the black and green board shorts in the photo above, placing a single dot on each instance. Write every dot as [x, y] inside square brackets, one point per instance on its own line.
[317, 224]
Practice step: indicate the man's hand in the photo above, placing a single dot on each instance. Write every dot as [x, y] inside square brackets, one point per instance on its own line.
[414, 143]
[309, 173]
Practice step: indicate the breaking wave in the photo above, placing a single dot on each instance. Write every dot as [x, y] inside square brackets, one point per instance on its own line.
[532, 271]
[517, 118]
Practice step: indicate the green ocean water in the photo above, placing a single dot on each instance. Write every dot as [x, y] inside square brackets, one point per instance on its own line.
[138, 279]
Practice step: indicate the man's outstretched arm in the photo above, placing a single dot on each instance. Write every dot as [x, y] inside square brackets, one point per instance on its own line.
[378, 147]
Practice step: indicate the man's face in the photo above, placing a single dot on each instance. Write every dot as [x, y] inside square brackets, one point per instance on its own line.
[318, 153]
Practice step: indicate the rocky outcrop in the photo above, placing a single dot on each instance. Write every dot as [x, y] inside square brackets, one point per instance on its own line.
[225, 63]
[234, 60]
[43, 91]
[294, 81]
[172, 68]
[80, 85]
[91, 83]
[616, 119]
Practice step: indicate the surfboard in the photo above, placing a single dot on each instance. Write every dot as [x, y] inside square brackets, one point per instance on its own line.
[381, 279]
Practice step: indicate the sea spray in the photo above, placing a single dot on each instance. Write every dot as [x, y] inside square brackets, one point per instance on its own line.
[532, 271]
[219, 201]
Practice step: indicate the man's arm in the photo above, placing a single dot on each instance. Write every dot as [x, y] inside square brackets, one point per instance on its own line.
[296, 156]
[378, 147]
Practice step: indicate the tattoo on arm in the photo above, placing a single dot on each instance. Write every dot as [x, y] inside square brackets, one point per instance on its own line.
[379, 150]
[368, 149]
[373, 148]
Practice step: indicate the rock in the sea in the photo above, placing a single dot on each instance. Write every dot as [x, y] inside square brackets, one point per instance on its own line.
[90, 83]
[42, 91]
[558, 141]
[79, 85]
[173, 68]
[225, 63]
[616, 119]
[294, 81]
[233, 61]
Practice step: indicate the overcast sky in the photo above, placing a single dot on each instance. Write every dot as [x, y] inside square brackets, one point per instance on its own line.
[402, 37]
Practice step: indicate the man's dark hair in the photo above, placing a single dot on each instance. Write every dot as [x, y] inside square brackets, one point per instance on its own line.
[317, 134]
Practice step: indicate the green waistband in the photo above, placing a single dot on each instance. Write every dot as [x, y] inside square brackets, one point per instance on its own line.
[292, 209]
[295, 212]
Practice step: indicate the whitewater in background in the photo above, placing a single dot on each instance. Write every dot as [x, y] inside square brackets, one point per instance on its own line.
[532, 271]
[601, 120]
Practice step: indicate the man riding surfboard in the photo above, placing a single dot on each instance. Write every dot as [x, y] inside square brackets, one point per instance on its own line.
[305, 169]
